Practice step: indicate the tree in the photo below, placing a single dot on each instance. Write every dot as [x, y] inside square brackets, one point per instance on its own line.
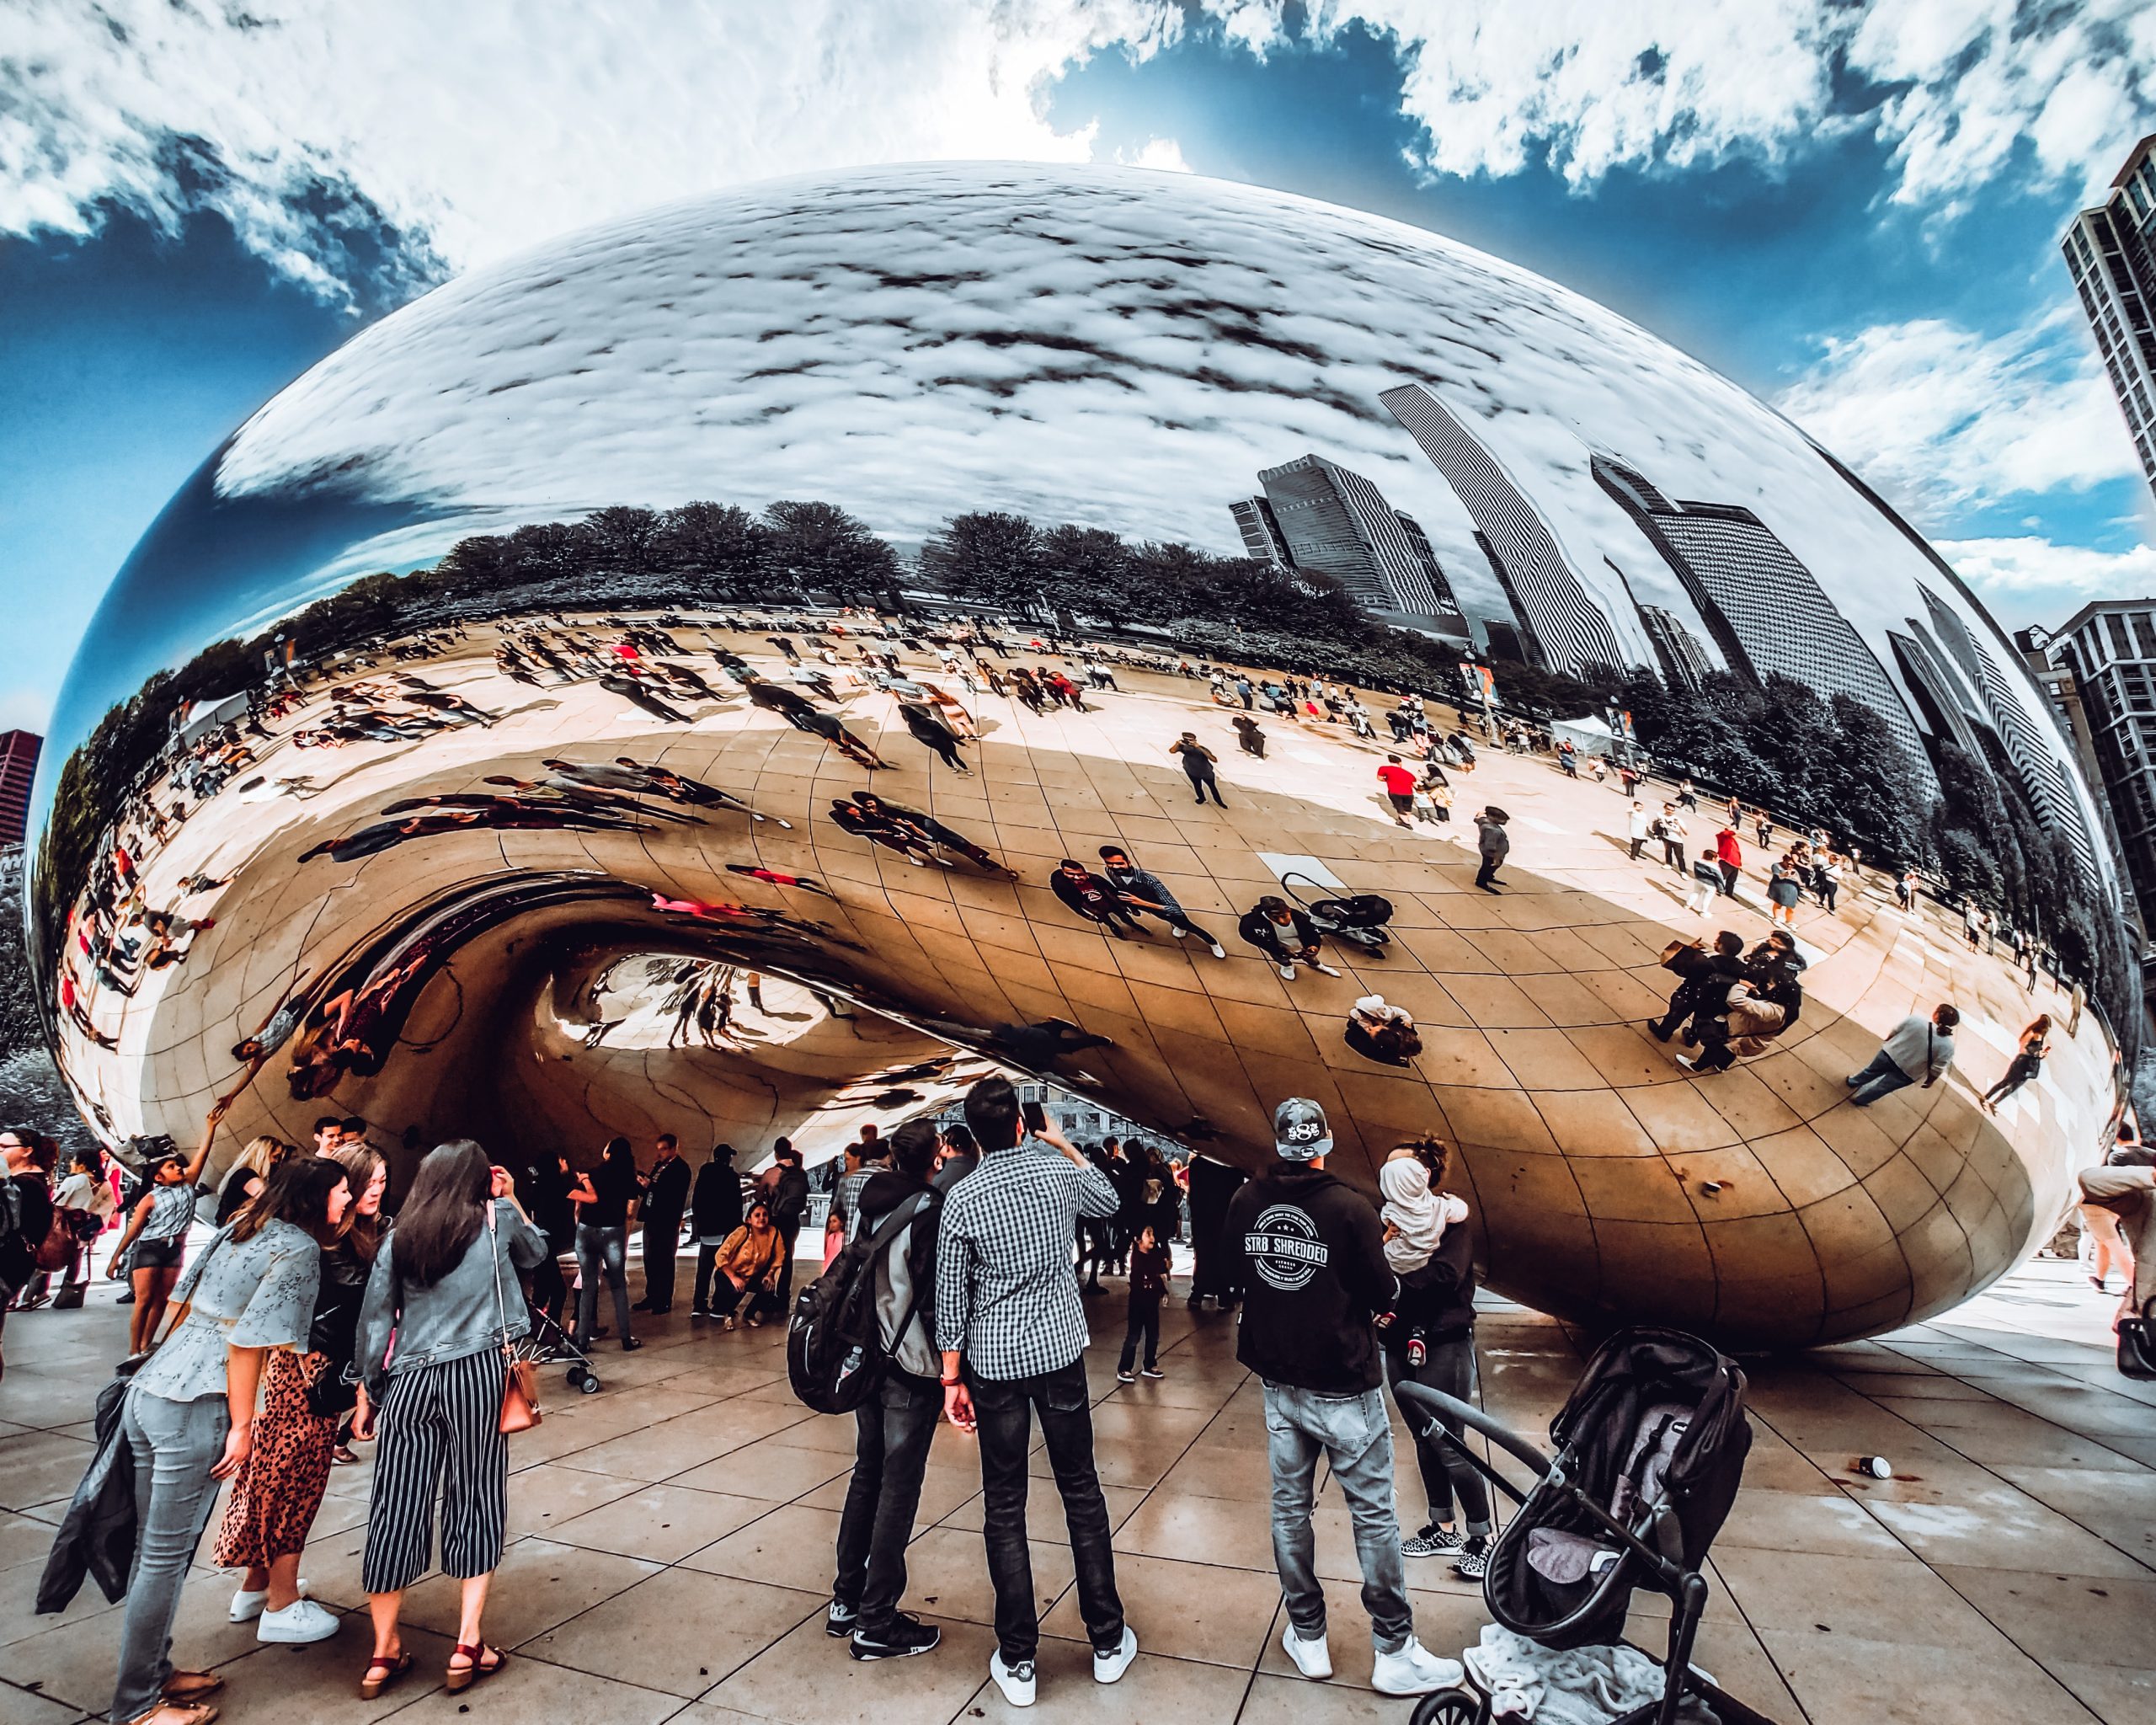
[624, 538]
[717, 546]
[989, 556]
[1091, 568]
[820, 546]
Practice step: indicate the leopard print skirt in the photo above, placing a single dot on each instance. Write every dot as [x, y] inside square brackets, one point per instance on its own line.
[276, 1494]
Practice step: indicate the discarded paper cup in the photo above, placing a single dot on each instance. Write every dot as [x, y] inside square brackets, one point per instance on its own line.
[1875, 1466]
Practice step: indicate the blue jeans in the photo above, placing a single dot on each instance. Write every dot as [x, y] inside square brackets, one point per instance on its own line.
[1351, 1433]
[601, 1251]
[175, 1444]
[1882, 1077]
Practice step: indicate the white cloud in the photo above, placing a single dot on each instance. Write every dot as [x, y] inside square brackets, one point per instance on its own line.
[2031, 579]
[476, 131]
[1163, 154]
[1938, 417]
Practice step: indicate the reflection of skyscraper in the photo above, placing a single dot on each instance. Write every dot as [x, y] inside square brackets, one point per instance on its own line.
[2110, 252]
[1938, 688]
[18, 751]
[1263, 538]
[1764, 609]
[1565, 629]
[1419, 542]
[1339, 524]
[1685, 660]
[2032, 754]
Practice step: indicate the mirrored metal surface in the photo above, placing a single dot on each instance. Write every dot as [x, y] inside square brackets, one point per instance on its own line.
[569, 709]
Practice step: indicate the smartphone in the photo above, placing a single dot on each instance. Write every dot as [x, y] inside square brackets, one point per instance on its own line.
[1036, 1117]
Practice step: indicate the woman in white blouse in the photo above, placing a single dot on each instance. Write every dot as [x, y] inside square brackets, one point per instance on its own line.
[190, 1413]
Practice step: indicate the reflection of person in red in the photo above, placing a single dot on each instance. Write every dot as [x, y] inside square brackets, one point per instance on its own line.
[771, 877]
[701, 909]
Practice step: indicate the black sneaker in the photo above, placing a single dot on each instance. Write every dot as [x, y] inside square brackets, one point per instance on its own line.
[904, 1636]
[1433, 1541]
[841, 1621]
[1473, 1562]
[630, 1344]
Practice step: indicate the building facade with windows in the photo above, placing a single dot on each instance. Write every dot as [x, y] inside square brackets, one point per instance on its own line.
[1259, 530]
[18, 753]
[2110, 253]
[1562, 626]
[1336, 522]
[2110, 647]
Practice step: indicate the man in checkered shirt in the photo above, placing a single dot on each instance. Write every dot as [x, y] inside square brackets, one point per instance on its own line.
[1011, 1325]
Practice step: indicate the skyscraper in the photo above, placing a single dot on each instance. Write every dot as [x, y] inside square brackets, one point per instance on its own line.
[2111, 648]
[1563, 628]
[1336, 522]
[1765, 610]
[1260, 528]
[2111, 253]
[18, 751]
[1685, 660]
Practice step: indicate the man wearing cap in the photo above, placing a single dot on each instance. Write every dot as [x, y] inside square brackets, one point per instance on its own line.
[1311, 1252]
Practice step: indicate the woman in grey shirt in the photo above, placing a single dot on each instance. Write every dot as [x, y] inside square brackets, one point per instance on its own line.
[445, 1282]
[189, 1414]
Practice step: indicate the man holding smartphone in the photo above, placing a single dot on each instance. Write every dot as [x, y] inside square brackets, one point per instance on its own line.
[1010, 1323]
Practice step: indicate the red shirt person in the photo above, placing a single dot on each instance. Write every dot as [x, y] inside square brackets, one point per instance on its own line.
[1399, 783]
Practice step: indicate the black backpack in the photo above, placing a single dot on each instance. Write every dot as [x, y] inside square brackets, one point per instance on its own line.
[834, 1350]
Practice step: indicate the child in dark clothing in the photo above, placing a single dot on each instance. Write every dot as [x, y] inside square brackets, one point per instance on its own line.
[1149, 1285]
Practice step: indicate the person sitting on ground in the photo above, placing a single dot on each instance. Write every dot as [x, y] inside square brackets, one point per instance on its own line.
[748, 1266]
[1381, 1032]
[1284, 933]
[1743, 1027]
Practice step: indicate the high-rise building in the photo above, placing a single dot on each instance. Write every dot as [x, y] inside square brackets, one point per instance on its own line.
[1685, 660]
[2110, 648]
[1564, 627]
[18, 751]
[1504, 640]
[1948, 707]
[2045, 656]
[2111, 253]
[1765, 610]
[1419, 542]
[1338, 523]
[1262, 537]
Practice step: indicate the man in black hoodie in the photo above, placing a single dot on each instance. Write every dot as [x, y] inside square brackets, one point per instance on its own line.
[1311, 1254]
[1706, 972]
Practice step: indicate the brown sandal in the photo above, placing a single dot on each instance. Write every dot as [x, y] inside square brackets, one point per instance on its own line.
[459, 1681]
[392, 1669]
[178, 1713]
[186, 1689]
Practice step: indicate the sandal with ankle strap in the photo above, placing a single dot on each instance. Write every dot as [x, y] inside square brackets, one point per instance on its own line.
[389, 1671]
[459, 1681]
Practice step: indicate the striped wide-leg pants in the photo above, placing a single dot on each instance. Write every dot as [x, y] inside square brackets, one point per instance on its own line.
[438, 1430]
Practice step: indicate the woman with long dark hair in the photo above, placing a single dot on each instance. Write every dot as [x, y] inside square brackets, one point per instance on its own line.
[276, 1496]
[2028, 1060]
[605, 1197]
[189, 1414]
[150, 1251]
[444, 1280]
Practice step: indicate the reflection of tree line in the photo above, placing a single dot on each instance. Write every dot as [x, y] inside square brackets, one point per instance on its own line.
[1784, 747]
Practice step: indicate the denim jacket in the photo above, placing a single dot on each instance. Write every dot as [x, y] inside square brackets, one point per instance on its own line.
[461, 1315]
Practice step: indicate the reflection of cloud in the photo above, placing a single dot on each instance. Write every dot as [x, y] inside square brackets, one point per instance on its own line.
[1936, 416]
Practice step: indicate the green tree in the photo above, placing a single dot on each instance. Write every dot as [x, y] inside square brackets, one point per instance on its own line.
[716, 546]
[624, 538]
[819, 545]
[1089, 570]
[991, 557]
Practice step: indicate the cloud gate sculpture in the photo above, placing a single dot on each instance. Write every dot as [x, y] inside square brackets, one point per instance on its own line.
[652, 685]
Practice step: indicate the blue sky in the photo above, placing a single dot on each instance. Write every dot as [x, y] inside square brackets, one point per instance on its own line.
[1851, 210]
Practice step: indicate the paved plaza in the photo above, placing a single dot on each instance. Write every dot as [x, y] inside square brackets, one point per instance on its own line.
[673, 1542]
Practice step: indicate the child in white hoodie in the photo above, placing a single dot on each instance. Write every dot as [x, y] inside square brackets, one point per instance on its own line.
[1415, 1217]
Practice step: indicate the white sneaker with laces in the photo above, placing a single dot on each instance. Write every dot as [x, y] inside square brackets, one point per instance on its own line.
[1219, 951]
[1288, 971]
[1109, 1666]
[1313, 1659]
[1323, 969]
[247, 1605]
[1015, 1681]
[1179, 932]
[1413, 1670]
[298, 1623]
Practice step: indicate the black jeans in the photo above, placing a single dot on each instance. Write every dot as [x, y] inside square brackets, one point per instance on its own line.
[1201, 783]
[890, 1454]
[1450, 1370]
[1146, 1322]
[1730, 871]
[662, 1237]
[1488, 872]
[1672, 853]
[1004, 1409]
[550, 1292]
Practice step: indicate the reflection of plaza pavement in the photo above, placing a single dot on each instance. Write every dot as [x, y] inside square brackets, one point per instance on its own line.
[1605, 1178]
[673, 1540]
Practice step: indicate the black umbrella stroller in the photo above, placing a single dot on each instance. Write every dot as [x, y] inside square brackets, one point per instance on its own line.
[1360, 918]
[1651, 1448]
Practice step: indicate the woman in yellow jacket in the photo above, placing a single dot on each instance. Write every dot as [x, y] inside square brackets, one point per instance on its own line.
[748, 1266]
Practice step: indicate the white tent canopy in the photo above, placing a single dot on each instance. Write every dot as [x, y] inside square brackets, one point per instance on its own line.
[1590, 736]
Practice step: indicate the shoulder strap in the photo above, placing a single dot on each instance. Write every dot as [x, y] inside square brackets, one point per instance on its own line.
[495, 1270]
[898, 1222]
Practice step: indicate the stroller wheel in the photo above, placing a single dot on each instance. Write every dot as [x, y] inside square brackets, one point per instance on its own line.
[589, 1383]
[1449, 1706]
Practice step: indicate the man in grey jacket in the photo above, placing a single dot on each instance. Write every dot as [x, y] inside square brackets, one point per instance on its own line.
[1495, 844]
[1140, 890]
[1916, 1051]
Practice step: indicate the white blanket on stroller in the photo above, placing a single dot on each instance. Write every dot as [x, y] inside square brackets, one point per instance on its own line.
[1587, 1686]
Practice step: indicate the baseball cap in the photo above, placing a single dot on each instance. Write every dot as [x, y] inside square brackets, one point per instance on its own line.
[1299, 1131]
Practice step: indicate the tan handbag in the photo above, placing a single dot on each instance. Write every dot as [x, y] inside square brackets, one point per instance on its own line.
[520, 1377]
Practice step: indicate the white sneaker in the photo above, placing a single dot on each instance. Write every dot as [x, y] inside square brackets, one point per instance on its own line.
[1323, 969]
[1108, 1667]
[299, 1623]
[1179, 932]
[1413, 1670]
[1015, 1681]
[1219, 951]
[247, 1605]
[1313, 1659]
[1288, 971]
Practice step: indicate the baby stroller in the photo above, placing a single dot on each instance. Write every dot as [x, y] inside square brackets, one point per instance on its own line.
[550, 1344]
[1651, 1448]
[1356, 917]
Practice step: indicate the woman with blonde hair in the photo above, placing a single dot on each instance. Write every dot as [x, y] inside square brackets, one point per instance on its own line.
[245, 1177]
[278, 1491]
